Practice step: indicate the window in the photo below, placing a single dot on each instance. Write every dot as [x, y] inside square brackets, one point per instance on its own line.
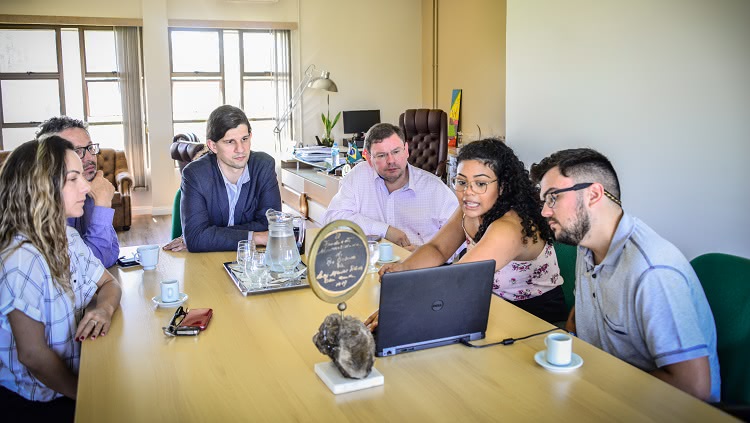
[101, 87]
[31, 84]
[52, 71]
[211, 67]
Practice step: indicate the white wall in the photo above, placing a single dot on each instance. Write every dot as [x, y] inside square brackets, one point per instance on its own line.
[660, 87]
[86, 8]
[164, 181]
[280, 11]
[373, 51]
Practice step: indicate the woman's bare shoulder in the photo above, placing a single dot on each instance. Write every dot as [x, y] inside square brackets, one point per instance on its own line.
[507, 233]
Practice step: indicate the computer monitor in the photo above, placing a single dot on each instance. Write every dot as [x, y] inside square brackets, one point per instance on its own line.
[358, 122]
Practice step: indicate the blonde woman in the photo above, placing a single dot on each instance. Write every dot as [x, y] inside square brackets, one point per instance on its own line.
[54, 293]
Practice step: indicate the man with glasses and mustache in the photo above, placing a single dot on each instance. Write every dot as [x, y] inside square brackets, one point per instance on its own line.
[637, 297]
[95, 226]
[390, 198]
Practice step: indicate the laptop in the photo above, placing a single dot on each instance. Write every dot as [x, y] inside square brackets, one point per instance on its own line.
[431, 307]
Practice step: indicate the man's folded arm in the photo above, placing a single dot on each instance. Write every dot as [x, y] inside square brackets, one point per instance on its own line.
[100, 235]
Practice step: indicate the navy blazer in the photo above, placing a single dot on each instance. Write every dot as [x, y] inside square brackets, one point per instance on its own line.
[205, 204]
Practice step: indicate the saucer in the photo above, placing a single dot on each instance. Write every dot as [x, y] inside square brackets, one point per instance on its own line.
[157, 300]
[575, 362]
[393, 260]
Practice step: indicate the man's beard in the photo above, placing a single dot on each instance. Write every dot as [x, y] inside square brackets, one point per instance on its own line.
[575, 234]
[86, 174]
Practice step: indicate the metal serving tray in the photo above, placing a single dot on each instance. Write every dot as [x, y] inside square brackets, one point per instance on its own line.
[276, 284]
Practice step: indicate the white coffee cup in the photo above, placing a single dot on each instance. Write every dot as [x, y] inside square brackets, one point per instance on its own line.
[170, 291]
[148, 256]
[386, 251]
[559, 349]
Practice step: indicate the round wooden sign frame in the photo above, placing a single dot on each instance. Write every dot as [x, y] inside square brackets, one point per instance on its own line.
[328, 232]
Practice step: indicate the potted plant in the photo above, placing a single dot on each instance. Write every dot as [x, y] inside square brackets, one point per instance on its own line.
[328, 125]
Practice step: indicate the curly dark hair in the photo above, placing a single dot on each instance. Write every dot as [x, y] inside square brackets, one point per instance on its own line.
[518, 192]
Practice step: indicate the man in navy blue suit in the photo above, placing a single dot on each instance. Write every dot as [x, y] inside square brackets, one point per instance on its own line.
[226, 193]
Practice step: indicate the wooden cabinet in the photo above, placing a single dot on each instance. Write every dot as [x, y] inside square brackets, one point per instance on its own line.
[306, 191]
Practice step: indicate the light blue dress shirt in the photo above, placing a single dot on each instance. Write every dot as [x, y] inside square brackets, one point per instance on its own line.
[233, 192]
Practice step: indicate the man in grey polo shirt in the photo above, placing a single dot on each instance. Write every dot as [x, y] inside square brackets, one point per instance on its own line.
[637, 297]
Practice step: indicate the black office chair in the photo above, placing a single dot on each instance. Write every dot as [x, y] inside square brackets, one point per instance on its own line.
[184, 149]
[426, 132]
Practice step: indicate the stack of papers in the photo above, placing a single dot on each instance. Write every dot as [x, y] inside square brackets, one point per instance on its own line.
[313, 154]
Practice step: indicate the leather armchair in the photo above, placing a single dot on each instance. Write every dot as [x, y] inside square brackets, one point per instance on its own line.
[115, 168]
[426, 132]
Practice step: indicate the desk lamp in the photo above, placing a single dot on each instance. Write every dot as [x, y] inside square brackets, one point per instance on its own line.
[312, 79]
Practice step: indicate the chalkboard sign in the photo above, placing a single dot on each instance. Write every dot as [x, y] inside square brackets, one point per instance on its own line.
[337, 261]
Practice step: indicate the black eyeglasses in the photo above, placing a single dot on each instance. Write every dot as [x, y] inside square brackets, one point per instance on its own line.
[551, 197]
[91, 148]
[174, 329]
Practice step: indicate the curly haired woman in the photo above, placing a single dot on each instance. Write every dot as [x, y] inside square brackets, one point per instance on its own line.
[48, 278]
[500, 219]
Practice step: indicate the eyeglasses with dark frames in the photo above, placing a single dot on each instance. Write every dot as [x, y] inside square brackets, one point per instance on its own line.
[479, 187]
[91, 148]
[550, 199]
[174, 329]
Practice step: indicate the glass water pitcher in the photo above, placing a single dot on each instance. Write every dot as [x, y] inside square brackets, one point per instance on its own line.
[282, 253]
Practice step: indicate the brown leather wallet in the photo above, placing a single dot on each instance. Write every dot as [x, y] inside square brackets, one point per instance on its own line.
[197, 317]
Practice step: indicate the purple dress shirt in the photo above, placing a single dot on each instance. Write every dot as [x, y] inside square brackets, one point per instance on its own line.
[95, 227]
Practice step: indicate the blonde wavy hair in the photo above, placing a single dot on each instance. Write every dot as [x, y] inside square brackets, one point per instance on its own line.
[31, 183]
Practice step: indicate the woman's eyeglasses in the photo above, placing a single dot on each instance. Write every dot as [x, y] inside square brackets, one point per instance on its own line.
[478, 187]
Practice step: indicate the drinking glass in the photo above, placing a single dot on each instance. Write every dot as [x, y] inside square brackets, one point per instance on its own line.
[250, 242]
[374, 248]
[289, 261]
[257, 269]
[244, 252]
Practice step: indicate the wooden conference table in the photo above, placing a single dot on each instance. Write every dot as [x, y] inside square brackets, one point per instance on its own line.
[255, 363]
